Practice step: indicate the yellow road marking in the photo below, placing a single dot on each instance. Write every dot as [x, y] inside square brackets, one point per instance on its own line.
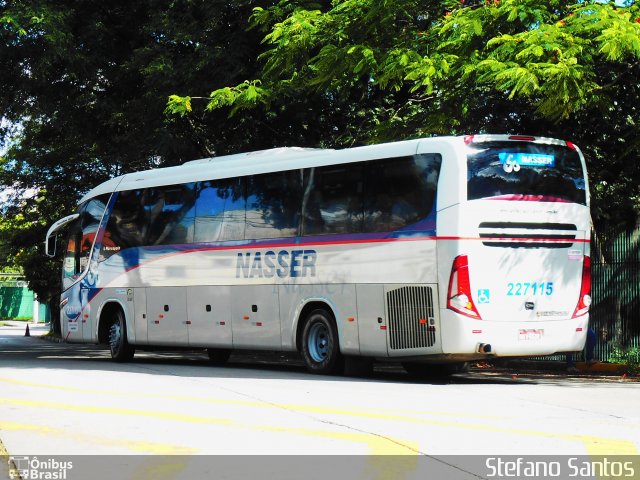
[593, 445]
[377, 445]
[377, 414]
[167, 467]
[133, 445]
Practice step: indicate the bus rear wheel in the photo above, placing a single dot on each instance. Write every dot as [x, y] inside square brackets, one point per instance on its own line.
[121, 349]
[320, 344]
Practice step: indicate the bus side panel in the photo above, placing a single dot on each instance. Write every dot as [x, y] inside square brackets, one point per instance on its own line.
[209, 310]
[340, 298]
[124, 298]
[372, 323]
[167, 316]
[85, 318]
[255, 316]
[140, 312]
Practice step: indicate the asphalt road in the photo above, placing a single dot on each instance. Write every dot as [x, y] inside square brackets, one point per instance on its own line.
[60, 399]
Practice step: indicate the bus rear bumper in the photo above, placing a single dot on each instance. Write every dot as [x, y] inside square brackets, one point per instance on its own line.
[463, 335]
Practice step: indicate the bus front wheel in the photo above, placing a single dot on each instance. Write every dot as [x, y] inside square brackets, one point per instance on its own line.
[320, 344]
[121, 349]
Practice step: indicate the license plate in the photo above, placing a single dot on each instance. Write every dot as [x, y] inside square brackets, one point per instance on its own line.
[531, 334]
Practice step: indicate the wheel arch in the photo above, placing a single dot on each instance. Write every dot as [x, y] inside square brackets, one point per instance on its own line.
[106, 310]
[305, 309]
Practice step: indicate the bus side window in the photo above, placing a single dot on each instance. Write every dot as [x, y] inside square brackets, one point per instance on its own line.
[171, 214]
[71, 266]
[401, 192]
[127, 224]
[81, 237]
[273, 205]
[90, 218]
[333, 200]
[219, 211]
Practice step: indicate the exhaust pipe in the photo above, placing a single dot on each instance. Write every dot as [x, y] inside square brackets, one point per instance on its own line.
[484, 348]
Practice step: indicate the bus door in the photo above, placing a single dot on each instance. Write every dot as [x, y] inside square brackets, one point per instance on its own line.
[78, 278]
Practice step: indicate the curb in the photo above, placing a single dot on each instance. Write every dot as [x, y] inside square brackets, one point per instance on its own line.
[560, 367]
[601, 367]
[51, 339]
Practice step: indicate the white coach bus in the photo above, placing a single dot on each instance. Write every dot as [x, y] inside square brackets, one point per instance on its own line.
[431, 252]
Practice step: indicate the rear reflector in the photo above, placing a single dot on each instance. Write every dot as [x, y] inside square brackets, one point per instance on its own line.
[459, 297]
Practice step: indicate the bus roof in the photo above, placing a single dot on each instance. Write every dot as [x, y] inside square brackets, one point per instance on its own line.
[280, 159]
[250, 163]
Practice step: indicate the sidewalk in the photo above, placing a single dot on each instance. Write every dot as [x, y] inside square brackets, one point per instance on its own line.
[19, 328]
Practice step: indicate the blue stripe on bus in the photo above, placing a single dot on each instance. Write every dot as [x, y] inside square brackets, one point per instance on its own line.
[135, 256]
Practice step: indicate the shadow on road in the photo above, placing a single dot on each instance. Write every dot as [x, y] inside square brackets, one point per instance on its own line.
[33, 352]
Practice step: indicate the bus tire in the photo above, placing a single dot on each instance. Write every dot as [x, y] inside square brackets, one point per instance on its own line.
[218, 356]
[320, 343]
[426, 370]
[121, 349]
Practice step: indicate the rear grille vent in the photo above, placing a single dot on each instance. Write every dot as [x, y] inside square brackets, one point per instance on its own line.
[529, 226]
[527, 235]
[411, 316]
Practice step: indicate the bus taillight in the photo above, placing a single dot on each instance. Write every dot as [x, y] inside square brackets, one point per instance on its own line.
[584, 300]
[459, 294]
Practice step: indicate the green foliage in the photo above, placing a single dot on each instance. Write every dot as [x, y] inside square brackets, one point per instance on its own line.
[629, 357]
[547, 53]
[89, 91]
[554, 59]
[178, 105]
[384, 70]
[83, 90]
[244, 95]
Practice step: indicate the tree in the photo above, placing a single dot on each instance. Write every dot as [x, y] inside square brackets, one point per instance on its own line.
[83, 87]
[397, 69]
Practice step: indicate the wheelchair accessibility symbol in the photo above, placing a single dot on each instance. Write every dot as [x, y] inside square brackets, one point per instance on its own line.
[484, 296]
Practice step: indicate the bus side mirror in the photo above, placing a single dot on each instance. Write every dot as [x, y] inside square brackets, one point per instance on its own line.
[50, 239]
[50, 245]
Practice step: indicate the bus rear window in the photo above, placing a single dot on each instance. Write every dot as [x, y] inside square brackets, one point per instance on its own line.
[525, 171]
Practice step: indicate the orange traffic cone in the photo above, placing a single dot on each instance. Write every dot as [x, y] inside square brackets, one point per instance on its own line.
[26, 332]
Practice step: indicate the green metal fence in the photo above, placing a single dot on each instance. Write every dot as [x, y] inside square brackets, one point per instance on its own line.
[17, 301]
[615, 289]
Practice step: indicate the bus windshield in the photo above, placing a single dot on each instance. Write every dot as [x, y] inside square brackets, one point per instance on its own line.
[525, 171]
